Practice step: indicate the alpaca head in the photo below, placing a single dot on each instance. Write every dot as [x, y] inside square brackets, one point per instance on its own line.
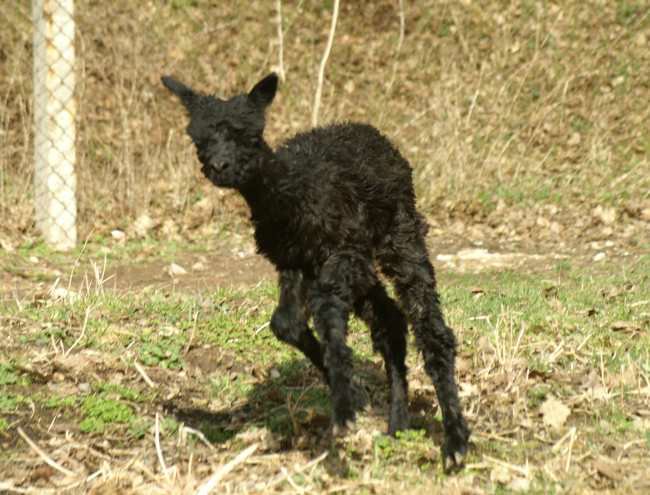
[227, 133]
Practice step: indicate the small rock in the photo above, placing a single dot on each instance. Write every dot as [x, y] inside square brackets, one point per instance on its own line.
[198, 266]
[175, 270]
[63, 294]
[600, 256]
[118, 235]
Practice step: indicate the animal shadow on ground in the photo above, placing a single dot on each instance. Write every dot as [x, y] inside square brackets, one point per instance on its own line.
[293, 404]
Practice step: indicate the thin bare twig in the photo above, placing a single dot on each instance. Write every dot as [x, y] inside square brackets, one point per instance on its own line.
[161, 459]
[297, 470]
[570, 449]
[199, 435]
[51, 462]
[400, 41]
[323, 62]
[8, 487]
[143, 374]
[214, 480]
[524, 471]
[278, 7]
[83, 332]
[190, 339]
[262, 327]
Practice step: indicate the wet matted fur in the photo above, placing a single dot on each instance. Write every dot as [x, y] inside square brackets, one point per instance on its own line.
[330, 206]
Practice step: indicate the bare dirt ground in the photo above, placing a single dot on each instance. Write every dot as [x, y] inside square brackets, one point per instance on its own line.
[229, 263]
[525, 127]
[213, 430]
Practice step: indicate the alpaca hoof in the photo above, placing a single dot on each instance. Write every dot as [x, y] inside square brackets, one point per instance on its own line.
[453, 462]
[341, 430]
[455, 447]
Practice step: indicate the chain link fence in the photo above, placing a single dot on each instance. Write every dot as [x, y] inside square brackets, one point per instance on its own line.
[54, 112]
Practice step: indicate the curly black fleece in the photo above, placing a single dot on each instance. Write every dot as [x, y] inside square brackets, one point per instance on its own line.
[330, 207]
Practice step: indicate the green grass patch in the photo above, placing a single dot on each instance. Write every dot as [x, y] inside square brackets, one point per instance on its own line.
[572, 331]
[9, 403]
[8, 375]
[100, 412]
[61, 402]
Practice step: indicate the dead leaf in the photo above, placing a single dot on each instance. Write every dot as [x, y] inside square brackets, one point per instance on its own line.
[463, 365]
[606, 215]
[500, 474]
[142, 225]
[599, 256]
[175, 270]
[575, 139]
[6, 245]
[554, 412]
[551, 291]
[169, 229]
[640, 39]
[198, 266]
[467, 389]
[520, 485]
[608, 469]
[63, 294]
[645, 214]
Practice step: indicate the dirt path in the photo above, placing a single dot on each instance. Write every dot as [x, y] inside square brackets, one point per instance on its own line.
[235, 264]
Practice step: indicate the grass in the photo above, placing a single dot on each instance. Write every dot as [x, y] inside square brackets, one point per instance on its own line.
[566, 332]
[530, 105]
[524, 127]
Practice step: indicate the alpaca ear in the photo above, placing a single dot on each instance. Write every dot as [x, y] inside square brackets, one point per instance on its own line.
[186, 94]
[264, 91]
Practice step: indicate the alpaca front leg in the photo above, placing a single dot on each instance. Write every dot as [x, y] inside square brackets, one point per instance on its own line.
[344, 278]
[289, 320]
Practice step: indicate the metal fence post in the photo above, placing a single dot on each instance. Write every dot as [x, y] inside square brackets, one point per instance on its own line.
[54, 122]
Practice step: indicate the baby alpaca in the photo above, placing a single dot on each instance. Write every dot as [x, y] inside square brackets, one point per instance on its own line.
[330, 207]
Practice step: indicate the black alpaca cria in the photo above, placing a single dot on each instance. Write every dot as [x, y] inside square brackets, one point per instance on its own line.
[330, 208]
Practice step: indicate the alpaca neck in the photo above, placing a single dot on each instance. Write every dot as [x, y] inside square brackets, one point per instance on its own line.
[262, 193]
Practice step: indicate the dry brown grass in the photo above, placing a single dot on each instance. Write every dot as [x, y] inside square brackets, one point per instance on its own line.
[553, 371]
[497, 104]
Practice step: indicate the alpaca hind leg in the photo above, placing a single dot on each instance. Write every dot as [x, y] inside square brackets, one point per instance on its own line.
[415, 284]
[388, 328]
